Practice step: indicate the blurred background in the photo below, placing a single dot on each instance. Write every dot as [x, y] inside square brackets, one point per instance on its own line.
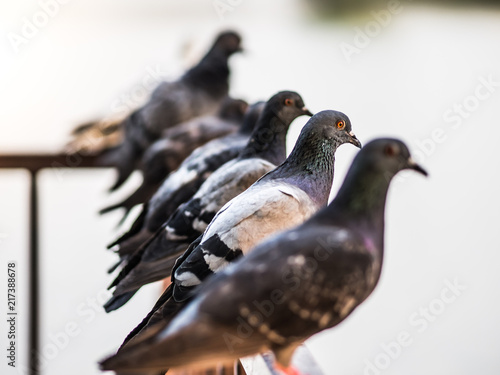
[426, 72]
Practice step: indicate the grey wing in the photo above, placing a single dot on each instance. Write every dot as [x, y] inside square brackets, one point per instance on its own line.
[260, 211]
[227, 182]
[292, 286]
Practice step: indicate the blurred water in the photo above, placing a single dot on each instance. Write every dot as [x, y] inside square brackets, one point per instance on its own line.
[410, 75]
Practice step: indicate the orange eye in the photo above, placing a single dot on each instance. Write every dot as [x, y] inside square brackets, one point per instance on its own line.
[391, 150]
[288, 102]
[341, 124]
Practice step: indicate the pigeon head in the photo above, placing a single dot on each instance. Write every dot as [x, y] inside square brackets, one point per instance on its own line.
[332, 125]
[364, 191]
[287, 106]
[228, 42]
[388, 156]
[268, 139]
[233, 109]
[310, 165]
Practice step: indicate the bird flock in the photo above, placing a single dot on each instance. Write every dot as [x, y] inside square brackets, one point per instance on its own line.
[256, 257]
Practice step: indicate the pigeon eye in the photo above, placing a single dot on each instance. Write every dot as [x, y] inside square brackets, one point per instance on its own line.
[341, 124]
[391, 150]
[288, 102]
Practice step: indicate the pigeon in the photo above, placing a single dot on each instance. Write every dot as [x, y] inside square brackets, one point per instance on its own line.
[166, 154]
[93, 137]
[181, 184]
[290, 287]
[198, 92]
[283, 198]
[265, 150]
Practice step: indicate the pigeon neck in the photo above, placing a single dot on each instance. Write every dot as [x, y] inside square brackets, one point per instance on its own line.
[249, 123]
[268, 139]
[362, 199]
[211, 74]
[310, 167]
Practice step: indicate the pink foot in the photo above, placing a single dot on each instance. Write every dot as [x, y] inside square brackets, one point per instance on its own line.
[290, 370]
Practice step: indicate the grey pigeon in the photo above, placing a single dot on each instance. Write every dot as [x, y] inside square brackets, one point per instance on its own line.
[265, 150]
[181, 184]
[198, 92]
[283, 198]
[166, 154]
[289, 287]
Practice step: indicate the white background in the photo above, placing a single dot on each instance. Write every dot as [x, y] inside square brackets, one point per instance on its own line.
[421, 63]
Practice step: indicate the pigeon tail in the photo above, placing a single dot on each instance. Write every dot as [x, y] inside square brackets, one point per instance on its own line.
[124, 158]
[167, 294]
[141, 195]
[116, 302]
[156, 241]
[134, 229]
[130, 245]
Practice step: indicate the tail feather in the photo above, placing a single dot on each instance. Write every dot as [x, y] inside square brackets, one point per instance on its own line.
[167, 294]
[116, 302]
[134, 229]
[84, 127]
[115, 266]
[95, 137]
[124, 158]
[153, 261]
[136, 257]
[131, 245]
[141, 195]
[199, 344]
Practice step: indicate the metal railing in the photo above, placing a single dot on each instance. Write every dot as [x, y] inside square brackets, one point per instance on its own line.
[34, 163]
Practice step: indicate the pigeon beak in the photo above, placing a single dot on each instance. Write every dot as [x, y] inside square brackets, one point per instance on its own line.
[416, 167]
[307, 112]
[355, 141]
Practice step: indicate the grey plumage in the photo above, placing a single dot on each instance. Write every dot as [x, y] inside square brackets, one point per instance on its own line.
[291, 286]
[198, 92]
[284, 197]
[265, 149]
[181, 184]
[166, 154]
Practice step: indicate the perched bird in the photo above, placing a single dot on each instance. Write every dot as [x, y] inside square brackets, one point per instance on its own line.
[95, 136]
[181, 184]
[198, 92]
[265, 150]
[178, 142]
[284, 197]
[289, 287]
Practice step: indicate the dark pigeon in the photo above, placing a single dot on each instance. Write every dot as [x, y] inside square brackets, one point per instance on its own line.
[265, 150]
[290, 287]
[281, 199]
[181, 184]
[93, 137]
[198, 92]
[178, 142]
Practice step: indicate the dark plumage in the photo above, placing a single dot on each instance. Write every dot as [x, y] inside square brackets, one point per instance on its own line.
[94, 137]
[284, 197]
[291, 286]
[199, 91]
[181, 184]
[265, 149]
[166, 154]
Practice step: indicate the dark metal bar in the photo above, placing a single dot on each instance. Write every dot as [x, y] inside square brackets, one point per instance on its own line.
[36, 162]
[34, 278]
